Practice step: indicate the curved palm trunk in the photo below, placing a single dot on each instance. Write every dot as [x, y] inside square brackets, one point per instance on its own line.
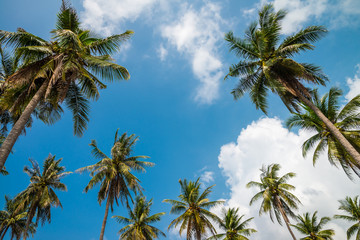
[20, 125]
[105, 218]
[336, 133]
[3, 234]
[287, 222]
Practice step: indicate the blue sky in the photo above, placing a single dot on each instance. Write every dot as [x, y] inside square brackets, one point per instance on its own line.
[178, 104]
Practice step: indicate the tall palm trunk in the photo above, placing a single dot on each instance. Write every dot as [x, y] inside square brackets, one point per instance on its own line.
[29, 218]
[286, 219]
[105, 217]
[3, 234]
[20, 125]
[336, 133]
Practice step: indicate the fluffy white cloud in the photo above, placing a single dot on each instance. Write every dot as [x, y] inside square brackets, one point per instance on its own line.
[105, 16]
[354, 85]
[197, 34]
[299, 12]
[265, 142]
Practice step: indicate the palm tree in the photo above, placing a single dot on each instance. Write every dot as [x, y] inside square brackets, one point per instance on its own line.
[138, 224]
[114, 173]
[352, 208]
[346, 120]
[45, 111]
[234, 226]
[267, 64]
[64, 69]
[13, 219]
[40, 195]
[276, 196]
[193, 206]
[312, 228]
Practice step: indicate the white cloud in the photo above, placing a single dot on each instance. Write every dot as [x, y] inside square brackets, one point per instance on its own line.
[300, 12]
[105, 16]
[162, 52]
[197, 34]
[265, 142]
[354, 85]
[207, 177]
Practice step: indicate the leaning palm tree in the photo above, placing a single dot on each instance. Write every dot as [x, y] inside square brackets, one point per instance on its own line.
[114, 174]
[138, 224]
[312, 228]
[64, 69]
[193, 206]
[44, 111]
[233, 225]
[352, 208]
[267, 64]
[346, 119]
[14, 219]
[40, 195]
[275, 194]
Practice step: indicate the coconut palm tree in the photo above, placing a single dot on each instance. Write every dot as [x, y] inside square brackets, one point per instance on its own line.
[14, 219]
[312, 228]
[44, 111]
[267, 64]
[352, 208]
[193, 206]
[64, 69]
[114, 173]
[275, 194]
[40, 195]
[138, 224]
[346, 120]
[233, 225]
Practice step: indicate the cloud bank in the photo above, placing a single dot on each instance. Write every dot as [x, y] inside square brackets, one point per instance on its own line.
[266, 141]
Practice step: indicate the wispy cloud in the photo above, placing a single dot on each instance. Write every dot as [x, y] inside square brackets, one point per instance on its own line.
[353, 84]
[197, 34]
[207, 177]
[301, 12]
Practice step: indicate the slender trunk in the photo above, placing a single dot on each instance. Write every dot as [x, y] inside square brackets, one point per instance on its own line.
[286, 220]
[105, 218]
[20, 125]
[29, 218]
[334, 131]
[3, 235]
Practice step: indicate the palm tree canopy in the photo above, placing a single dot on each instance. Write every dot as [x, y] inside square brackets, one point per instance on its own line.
[193, 206]
[139, 222]
[346, 119]
[45, 112]
[14, 219]
[40, 195]
[313, 228]
[69, 65]
[275, 190]
[266, 60]
[233, 225]
[352, 208]
[114, 174]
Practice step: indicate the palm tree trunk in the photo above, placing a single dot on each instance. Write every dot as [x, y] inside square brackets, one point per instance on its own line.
[286, 220]
[20, 125]
[105, 218]
[3, 235]
[29, 218]
[336, 133]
